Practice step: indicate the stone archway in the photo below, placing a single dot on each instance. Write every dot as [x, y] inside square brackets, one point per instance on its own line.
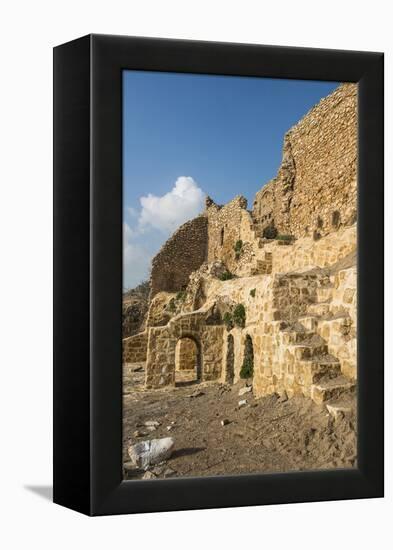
[230, 360]
[161, 349]
[188, 359]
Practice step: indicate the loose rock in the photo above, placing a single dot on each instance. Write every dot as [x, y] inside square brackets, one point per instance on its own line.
[151, 452]
[195, 394]
[244, 390]
[152, 423]
[148, 475]
[139, 433]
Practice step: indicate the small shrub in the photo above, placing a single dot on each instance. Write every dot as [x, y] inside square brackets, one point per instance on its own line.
[238, 248]
[239, 315]
[171, 305]
[252, 292]
[247, 370]
[226, 276]
[227, 320]
[285, 238]
[238, 245]
[181, 296]
[270, 232]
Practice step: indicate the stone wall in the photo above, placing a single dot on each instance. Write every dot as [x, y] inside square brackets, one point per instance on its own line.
[181, 254]
[225, 230]
[339, 327]
[299, 296]
[135, 348]
[158, 314]
[161, 352]
[307, 253]
[314, 192]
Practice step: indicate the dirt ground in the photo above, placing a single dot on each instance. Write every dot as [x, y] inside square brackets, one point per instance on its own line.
[269, 434]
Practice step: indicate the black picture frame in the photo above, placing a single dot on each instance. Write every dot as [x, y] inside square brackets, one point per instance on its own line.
[88, 274]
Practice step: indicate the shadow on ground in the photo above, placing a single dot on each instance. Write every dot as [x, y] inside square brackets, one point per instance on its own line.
[44, 491]
[187, 451]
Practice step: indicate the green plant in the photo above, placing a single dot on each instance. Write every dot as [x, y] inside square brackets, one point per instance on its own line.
[285, 237]
[238, 248]
[171, 305]
[239, 315]
[247, 369]
[252, 292]
[226, 276]
[181, 296]
[227, 320]
[270, 232]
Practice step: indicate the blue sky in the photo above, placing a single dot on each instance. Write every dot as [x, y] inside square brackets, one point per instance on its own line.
[187, 135]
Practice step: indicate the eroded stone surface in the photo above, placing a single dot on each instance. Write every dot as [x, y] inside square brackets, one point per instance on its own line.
[298, 290]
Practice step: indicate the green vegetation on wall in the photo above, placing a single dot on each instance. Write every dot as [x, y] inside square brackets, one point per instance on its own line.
[226, 276]
[247, 370]
[239, 315]
[238, 248]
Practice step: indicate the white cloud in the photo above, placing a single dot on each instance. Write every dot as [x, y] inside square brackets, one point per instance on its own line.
[132, 212]
[166, 213]
[127, 233]
[157, 219]
[136, 259]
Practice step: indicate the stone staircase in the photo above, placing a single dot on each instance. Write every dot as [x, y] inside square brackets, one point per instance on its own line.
[263, 267]
[316, 370]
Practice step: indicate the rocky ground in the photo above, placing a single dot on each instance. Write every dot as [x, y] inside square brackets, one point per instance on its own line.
[213, 435]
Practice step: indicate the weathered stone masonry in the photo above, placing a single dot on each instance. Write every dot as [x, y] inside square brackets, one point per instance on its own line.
[182, 254]
[299, 295]
[314, 192]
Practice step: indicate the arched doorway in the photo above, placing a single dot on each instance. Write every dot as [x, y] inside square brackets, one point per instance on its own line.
[247, 370]
[336, 219]
[187, 361]
[230, 360]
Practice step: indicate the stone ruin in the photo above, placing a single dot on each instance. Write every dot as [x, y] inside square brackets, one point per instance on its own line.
[279, 279]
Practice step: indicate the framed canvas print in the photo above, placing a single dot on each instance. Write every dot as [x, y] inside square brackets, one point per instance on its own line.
[218, 275]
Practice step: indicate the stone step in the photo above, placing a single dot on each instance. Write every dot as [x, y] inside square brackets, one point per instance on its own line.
[324, 293]
[339, 325]
[343, 406]
[311, 371]
[263, 267]
[310, 322]
[294, 336]
[326, 390]
[321, 308]
[307, 351]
